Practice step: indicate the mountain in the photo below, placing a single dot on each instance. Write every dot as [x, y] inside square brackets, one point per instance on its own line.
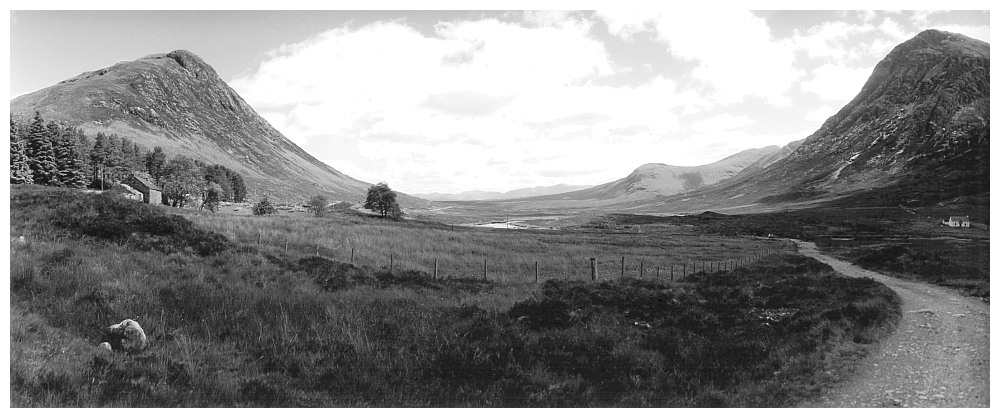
[178, 102]
[657, 180]
[513, 194]
[917, 133]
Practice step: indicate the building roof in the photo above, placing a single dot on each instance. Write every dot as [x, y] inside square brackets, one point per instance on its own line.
[145, 180]
[958, 219]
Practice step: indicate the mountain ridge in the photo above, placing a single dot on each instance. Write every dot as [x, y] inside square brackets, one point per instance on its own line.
[916, 133]
[177, 101]
[659, 180]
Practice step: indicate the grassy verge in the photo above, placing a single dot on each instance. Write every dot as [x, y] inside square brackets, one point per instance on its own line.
[244, 325]
[904, 242]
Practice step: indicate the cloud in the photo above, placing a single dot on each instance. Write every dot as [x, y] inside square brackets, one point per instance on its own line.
[981, 33]
[466, 103]
[626, 24]
[565, 173]
[578, 119]
[749, 62]
[820, 114]
[836, 82]
[525, 97]
[721, 123]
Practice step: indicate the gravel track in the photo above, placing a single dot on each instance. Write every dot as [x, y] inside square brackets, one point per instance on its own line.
[939, 356]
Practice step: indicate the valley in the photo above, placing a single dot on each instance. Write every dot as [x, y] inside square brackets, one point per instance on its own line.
[774, 277]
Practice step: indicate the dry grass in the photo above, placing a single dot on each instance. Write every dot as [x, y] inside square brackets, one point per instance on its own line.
[244, 327]
[510, 255]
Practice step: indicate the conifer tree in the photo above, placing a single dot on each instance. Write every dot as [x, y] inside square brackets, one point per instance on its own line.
[239, 188]
[155, 160]
[99, 160]
[20, 172]
[69, 162]
[41, 158]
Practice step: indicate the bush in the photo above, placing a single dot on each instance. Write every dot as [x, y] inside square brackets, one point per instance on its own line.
[109, 216]
[264, 207]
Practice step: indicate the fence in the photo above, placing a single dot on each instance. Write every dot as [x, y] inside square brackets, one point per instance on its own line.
[525, 271]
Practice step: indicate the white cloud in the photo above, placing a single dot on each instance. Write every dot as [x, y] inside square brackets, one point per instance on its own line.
[721, 123]
[836, 82]
[820, 114]
[627, 23]
[477, 91]
[748, 63]
[829, 39]
[981, 33]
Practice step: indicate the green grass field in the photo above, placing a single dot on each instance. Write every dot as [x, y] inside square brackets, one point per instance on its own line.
[235, 323]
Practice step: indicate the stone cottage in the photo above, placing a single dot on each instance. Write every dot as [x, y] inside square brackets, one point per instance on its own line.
[151, 193]
[958, 222]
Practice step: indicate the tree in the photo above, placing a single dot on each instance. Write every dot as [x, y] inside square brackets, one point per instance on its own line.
[239, 188]
[382, 199]
[20, 172]
[68, 161]
[317, 205]
[219, 174]
[181, 179]
[41, 158]
[264, 207]
[211, 196]
[99, 159]
[155, 160]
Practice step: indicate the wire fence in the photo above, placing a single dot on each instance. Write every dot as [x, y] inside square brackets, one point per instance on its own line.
[522, 269]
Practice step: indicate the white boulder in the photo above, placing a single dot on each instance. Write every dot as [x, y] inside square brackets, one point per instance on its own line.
[128, 336]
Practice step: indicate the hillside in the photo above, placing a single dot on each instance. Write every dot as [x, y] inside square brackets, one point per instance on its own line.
[513, 194]
[178, 102]
[916, 134]
[658, 180]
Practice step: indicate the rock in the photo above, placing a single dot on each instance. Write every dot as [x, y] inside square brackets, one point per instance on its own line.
[104, 346]
[127, 336]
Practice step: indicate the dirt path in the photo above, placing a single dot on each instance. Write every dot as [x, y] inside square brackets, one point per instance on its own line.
[938, 357]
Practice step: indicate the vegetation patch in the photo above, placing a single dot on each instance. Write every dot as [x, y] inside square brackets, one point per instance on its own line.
[259, 326]
[333, 276]
[110, 217]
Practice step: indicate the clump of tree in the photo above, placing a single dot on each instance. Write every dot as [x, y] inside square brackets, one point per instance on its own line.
[317, 205]
[181, 180]
[52, 153]
[211, 197]
[264, 207]
[20, 171]
[41, 157]
[233, 189]
[382, 200]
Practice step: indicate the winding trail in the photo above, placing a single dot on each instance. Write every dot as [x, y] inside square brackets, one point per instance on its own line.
[939, 356]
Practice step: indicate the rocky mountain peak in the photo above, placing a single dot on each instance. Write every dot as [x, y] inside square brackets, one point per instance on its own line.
[177, 101]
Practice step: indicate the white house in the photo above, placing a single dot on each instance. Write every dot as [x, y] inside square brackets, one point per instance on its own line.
[958, 221]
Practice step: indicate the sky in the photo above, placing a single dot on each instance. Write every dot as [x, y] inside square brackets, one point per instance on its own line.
[450, 101]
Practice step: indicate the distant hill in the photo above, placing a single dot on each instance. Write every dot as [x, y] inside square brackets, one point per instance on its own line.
[178, 102]
[658, 180]
[917, 133]
[513, 194]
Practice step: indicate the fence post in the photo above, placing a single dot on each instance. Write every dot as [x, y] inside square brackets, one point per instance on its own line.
[258, 238]
[640, 269]
[317, 249]
[657, 273]
[286, 245]
[485, 268]
[536, 272]
[352, 255]
[684, 270]
[623, 267]
[671, 272]
[390, 263]
[435, 269]
[593, 269]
